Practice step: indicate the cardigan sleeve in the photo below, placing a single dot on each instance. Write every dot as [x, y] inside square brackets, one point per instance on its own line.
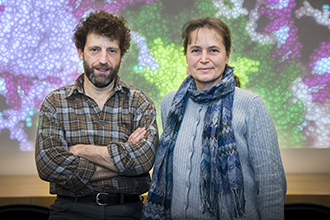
[266, 162]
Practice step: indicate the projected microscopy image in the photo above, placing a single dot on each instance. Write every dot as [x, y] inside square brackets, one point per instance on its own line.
[281, 52]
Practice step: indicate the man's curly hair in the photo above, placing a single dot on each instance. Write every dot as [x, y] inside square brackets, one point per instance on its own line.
[103, 24]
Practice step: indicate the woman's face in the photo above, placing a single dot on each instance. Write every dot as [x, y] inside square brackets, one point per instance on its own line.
[206, 58]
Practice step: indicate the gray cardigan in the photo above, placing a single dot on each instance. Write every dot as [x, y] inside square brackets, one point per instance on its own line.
[257, 145]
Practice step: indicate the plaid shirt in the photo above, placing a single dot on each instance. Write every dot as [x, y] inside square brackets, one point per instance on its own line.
[69, 117]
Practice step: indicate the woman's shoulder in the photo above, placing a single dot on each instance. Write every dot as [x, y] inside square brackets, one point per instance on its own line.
[168, 98]
[166, 105]
[246, 98]
[244, 94]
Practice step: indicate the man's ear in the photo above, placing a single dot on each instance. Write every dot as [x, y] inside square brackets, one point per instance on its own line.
[122, 59]
[80, 54]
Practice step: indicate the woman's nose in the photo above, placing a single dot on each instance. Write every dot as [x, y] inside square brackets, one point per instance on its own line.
[204, 57]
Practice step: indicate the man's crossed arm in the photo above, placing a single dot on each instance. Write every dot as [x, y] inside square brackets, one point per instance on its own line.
[100, 156]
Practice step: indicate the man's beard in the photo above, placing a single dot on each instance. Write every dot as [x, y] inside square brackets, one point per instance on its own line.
[102, 80]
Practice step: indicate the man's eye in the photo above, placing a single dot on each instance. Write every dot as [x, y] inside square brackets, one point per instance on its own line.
[112, 51]
[214, 50]
[195, 51]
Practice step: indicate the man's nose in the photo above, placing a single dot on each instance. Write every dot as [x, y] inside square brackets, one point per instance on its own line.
[103, 58]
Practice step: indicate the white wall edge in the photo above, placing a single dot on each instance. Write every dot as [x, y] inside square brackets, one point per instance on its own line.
[309, 160]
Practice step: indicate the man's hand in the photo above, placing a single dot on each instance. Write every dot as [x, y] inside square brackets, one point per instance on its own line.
[137, 135]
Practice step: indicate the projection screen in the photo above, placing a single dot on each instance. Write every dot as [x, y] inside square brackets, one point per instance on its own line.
[281, 52]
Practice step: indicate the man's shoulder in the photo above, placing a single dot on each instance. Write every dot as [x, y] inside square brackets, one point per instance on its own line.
[135, 93]
[63, 91]
[58, 96]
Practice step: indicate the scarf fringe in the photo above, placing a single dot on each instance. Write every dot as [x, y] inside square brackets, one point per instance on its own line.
[238, 202]
[233, 202]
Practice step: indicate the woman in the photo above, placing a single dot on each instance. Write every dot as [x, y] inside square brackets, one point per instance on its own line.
[218, 157]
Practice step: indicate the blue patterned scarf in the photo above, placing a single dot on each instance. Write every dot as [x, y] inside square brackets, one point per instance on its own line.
[221, 175]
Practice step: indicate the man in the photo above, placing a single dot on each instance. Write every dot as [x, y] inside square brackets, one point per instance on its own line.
[97, 138]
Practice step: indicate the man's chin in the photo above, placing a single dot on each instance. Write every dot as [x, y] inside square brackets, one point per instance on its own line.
[101, 84]
[102, 81]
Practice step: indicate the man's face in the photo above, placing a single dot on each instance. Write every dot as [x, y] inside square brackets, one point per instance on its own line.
[101, 59]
